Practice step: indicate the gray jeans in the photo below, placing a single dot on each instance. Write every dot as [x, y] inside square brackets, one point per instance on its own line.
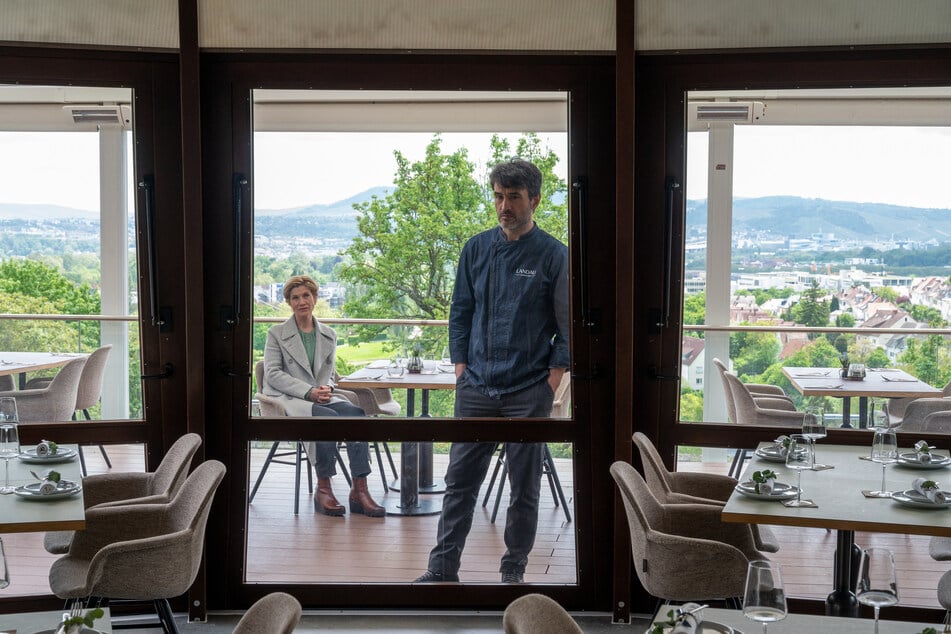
[468, 464]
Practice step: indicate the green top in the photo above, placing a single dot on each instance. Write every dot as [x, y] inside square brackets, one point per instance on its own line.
[309, 340]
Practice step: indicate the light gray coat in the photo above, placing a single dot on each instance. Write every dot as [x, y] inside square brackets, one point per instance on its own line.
[287, 373]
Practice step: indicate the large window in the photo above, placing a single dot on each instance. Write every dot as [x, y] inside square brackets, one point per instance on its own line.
[818, 209]
[374, 196]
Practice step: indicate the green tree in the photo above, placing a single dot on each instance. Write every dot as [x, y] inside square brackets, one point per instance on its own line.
[811, 310]
[845, 320]
[32, 287]
[695, 309]
[402, 263]
[754, 353]
[886, 294]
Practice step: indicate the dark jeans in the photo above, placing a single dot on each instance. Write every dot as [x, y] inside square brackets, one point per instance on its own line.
[468, 465]
[325, 451]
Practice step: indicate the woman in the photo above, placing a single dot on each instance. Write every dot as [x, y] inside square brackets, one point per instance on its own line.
[299, 366]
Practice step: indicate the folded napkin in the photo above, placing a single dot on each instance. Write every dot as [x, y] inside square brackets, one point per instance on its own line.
[782, 443]
[46, 448]
[47, 487]
[923, 451]
[687, 618]
[931, 490]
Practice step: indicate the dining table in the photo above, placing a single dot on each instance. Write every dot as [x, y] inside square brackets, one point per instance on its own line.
[798, 623]
[21, 515]
[877, 382]
[841, 506]
[416, 458]
[20, 363]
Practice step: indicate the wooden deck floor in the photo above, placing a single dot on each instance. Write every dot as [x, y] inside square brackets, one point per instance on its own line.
[312, 548]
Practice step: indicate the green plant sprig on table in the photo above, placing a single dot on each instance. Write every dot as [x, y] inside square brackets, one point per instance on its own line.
[759, 477]
[658, 626]
[929, 484]
[87, 620]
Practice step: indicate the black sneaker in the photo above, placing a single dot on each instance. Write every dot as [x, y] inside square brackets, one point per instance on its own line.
[436, 577]
[513, 576]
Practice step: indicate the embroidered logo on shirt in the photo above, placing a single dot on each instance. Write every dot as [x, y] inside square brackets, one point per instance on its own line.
[520, 272]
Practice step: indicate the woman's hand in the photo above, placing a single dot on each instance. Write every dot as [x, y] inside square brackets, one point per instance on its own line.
[320, 394]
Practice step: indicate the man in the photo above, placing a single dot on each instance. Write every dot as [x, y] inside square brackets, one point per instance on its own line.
[508, 339]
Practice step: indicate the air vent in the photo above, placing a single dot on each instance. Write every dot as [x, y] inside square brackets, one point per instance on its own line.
[100, 115]
[728, 112]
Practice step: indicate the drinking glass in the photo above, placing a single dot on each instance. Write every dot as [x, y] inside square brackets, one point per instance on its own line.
[444, 357]
[4, 571]
[9, 439]
[799, 457]
[877, 583]
[876, 415]
[884, 451]
[814, 425]
[395, 369]
[764, 599]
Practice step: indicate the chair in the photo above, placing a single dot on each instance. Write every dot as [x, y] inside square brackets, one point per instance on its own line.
[7, 384]
[275, 613]
[683, 552]
[271, 407]
[757, 391]
[56, 401]
[537, 614]
[88, 393]
[944, 598]
[937, 423]
[920, 410]
[771, 411]
[111, 489]
[677, 487]
[140, 552]
[895, 408]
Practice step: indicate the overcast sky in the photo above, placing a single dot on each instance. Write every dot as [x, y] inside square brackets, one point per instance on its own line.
[902, 166]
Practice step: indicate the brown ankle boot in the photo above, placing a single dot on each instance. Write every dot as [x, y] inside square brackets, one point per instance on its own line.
[361, 502]
[324, 500]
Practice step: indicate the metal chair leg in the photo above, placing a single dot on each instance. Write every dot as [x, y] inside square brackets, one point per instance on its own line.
[495, 473]
[257, 483]
[379, 462]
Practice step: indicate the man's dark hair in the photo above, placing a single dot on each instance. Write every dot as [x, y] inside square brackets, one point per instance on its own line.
[517, 173]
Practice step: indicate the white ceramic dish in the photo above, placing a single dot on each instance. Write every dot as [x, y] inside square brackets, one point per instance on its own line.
[911, 461]
[771, 454]
[64, 489]
[706, 627]
[63, 455]
[780, 491]
[913, 498]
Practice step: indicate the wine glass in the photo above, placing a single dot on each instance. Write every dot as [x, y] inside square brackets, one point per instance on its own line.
[814, 426]
[800, 456]
[444, 357]
[4, 571]
[9, 439]
[764, 599]
[877, 583]
[884, 451]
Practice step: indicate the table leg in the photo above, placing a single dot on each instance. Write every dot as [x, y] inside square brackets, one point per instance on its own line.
[409, 483]
[846, 412]
[863, 412]
[842, 601]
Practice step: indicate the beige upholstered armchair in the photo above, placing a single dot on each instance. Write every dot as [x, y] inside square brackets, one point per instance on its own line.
[56, 401]
[895, 408]
[761, 410]
[141, 552]
[756, 390]
[925, 415]
[675, 487]
[110, 489]
[275, 613]
[538, 614]
[683, 552]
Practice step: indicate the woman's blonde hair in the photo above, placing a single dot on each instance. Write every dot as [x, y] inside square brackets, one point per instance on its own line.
[299, 280]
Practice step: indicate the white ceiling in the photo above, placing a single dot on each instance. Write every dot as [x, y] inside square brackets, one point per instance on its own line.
[492, 25]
